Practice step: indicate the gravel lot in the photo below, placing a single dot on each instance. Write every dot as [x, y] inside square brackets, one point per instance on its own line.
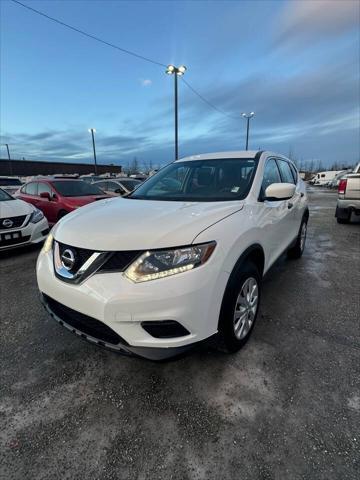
[285, 407]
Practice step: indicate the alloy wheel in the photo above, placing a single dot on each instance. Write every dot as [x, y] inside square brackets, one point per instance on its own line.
[246, 307]
[303, 236]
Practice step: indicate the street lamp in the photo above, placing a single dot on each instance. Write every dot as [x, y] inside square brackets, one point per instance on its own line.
[8, 154]
[247, 116]
[177, 72]
[92, 131]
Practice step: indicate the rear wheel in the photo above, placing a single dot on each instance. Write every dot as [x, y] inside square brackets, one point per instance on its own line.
[239, 308]
[344, 220]
[298, 249]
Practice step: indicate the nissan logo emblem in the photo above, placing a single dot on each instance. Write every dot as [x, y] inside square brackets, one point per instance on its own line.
[7, 223]
[68, 259]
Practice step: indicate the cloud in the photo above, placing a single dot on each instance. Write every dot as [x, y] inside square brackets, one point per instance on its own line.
[305, 21]
[146, 82]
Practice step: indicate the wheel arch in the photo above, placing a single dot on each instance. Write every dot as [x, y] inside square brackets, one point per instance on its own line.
[254, 253]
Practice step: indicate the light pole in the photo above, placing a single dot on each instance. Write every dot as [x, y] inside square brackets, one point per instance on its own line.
[8, 153]
[247, 116]
[92, 131]
[177, 72]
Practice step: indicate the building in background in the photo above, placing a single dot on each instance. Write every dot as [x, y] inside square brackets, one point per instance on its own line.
[34, 167]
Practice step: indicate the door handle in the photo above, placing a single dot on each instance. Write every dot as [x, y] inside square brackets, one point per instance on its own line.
[290, 205]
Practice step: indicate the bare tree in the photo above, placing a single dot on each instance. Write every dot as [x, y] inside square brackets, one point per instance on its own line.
[134, 166]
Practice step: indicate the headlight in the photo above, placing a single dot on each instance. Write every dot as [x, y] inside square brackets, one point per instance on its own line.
[47, 244]
[36, 216]
[152, 265]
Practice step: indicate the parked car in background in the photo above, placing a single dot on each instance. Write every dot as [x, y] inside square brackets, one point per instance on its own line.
[139, 176]
[334, 183]
[57, 197]
[10, 184]
[178, 260]
[349, 196]
[20, 223]
[91, 178]
[118, 186]
[322, 178]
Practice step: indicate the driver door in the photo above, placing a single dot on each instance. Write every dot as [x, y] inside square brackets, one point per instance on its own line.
[275, 216]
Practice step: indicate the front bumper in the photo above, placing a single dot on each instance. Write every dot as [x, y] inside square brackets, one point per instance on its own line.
[114, 342]
[192, 299]
[31, 234]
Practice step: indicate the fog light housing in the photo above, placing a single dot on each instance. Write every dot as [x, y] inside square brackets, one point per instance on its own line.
[165, 329]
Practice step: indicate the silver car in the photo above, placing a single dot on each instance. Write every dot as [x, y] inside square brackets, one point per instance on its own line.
[118, 186]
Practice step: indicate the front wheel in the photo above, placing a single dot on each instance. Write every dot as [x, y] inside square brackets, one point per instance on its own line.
[298, 249]
[239, 308]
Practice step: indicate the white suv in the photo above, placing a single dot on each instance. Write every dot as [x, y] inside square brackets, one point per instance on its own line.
[180, 259]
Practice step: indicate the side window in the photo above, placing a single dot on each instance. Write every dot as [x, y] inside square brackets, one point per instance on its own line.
[271, 175]
[112, 187]
[102, 185]
[294, 172]
[32, 188]
[285, 171]
[44, 187]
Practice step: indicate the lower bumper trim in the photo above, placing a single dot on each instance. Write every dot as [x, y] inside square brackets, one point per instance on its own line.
[150, 353]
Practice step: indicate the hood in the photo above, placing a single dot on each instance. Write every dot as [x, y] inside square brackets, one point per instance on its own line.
[125, 224]
[14, 208]
[83, 200]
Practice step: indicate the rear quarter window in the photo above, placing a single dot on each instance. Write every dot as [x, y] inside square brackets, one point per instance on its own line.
[31, 188]
[285, 171]
[294, 172]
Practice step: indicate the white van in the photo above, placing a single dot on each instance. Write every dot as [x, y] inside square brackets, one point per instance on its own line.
[323, 178]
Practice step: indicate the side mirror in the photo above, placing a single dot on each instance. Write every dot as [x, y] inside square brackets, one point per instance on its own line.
[118, 191]
[280, 191]
[45, 195]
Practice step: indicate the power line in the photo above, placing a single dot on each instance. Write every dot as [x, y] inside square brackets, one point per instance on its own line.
[207, 101]
[89, 35]
[124, 50]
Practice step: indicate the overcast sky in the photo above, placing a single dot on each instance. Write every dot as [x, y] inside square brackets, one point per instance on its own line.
[295, 63]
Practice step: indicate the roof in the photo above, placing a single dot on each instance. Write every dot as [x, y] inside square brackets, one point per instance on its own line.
[221, 155]
[54, 179]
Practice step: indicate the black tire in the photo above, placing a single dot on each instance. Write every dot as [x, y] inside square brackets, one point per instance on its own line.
[62, 214]
[343, 220]
[298, 249]
[227, 339]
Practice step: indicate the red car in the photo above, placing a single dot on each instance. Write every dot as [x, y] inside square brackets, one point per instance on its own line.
[57, 197]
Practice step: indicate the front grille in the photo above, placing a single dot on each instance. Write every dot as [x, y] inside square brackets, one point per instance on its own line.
[83, 323]
[14, 241]
[81, 255]
[16, 222]
[118, 261]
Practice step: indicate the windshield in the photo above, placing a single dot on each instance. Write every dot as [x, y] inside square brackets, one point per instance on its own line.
[130, 184]
[91, 179]
[5, 196]
[200, 181]
[5, 182]
[76, 188]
